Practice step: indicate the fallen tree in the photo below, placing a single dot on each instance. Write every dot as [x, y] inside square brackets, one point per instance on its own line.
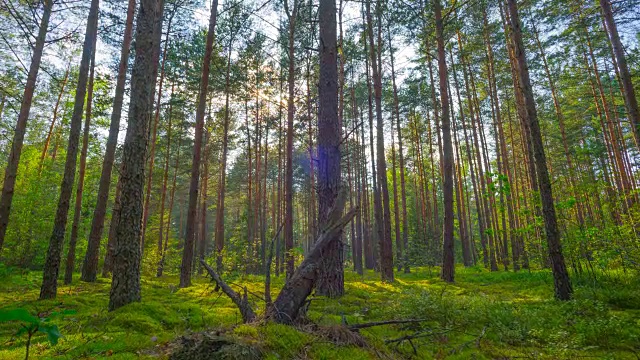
[291, 299]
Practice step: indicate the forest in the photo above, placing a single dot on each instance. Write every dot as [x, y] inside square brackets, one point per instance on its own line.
[319, 179]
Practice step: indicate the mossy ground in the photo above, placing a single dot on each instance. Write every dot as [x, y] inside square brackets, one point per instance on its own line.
[483, 315]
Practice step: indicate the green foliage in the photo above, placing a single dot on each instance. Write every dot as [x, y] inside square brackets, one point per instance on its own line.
[31, 324]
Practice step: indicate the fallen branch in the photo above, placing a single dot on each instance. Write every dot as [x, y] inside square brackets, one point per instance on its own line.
[415, 336]
[475, 340]
[379, 323]
[248, 315]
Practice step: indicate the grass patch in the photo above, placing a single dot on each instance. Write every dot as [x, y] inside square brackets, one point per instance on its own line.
[485, 315]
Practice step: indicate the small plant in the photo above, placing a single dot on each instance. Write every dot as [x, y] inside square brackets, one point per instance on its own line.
[31, 325]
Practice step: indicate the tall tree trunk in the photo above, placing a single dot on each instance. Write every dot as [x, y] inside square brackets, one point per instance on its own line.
[90, 264]
[154, 134]
[478, 190]
[125, 286]
[403, 194]
[292, 14]
[278, 202]
[330, 274]
[467, 253]
[71, 254]
[357, 247]
[561, 125]
[366, 230]
[563, 289]
[111, 238]
[384, 236]
[249, 192]
[219, 236]
[165, 178]
[187, 255]
[52, 262]
[202, 235]
[499, 142]
[11, 170]
[265, 198]
[630, 99]
[447, 253]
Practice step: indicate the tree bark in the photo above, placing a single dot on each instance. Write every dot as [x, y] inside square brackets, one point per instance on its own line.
[125, 285]
[55, 117]
[113, 225]
[52, 262]
[384, 230]
[288, 180]
[154, 134]
[630, 99]
[11, 170]
[71, 254]
[219, 236]
[187, 255]
[330, 274]
[165, 179]
[90, 264]
[447, 161]
[563, 289]
[163, 252]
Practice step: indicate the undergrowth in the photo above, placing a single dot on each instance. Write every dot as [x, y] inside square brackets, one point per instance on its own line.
[482, 315]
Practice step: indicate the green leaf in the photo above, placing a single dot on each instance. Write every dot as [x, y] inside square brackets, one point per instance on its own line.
[53, 334]
[17, 315]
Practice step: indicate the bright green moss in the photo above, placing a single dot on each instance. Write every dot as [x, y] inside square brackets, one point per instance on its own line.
[483, 315]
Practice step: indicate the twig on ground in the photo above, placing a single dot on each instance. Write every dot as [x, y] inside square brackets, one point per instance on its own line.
[356, 327]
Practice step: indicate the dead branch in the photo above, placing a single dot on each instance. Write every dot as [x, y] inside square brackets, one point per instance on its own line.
[420, 334]
[248, 315]
[379, 323]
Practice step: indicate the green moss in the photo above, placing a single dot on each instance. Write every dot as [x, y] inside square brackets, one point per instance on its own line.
[483, 315]
[284, 340]
[324, 351]
[247, 331]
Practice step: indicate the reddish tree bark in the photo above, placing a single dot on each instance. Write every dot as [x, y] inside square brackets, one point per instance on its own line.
[292, 15]
[563, 289]
[187, 255]
[11, 170]
[73, 239]
[52, 263]
[90, 264]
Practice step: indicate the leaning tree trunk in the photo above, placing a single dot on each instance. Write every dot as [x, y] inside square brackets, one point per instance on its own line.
[52, 262]
[187, 255]
[563, 289]
[90, 265]
[11, 171]
[125, 286]
[291, 299]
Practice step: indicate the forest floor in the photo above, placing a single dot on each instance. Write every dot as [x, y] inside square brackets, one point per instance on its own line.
[501, 315]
